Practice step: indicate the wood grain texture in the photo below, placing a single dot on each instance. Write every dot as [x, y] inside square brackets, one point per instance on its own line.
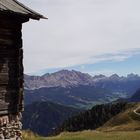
[11, 66]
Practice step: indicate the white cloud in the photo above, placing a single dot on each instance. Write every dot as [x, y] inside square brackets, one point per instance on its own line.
[81, 31]
[105, 72]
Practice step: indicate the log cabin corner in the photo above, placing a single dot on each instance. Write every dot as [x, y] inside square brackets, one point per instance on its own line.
[12, 15]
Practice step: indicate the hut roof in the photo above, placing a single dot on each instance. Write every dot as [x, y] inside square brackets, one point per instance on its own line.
[15, 7]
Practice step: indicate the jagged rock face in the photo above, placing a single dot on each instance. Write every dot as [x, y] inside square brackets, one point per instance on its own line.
[65, 78]
[10, 127]
[62, 78]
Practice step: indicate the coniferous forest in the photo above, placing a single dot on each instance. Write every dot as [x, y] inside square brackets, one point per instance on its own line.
[92, 119]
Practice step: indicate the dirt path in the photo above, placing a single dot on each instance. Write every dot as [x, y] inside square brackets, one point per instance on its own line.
[135, 111]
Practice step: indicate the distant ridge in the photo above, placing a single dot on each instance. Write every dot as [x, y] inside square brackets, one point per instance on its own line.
[136, 96]
[79, 89]
[66, 78]
[63, 78]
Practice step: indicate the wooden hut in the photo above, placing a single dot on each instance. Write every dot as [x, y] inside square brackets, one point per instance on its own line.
[12, 15]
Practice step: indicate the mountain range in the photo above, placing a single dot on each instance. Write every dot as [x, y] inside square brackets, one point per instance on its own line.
[66, 78]
[78, 89]
[63, 78]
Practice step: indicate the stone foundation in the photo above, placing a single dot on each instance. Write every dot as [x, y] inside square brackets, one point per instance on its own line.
[10, 127]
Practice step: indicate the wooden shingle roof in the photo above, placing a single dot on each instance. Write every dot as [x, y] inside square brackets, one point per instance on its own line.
[15, 7]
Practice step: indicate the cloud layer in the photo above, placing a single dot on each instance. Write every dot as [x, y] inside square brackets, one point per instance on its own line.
[81, 32]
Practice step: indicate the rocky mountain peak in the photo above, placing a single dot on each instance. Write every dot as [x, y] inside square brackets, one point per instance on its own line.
[114, 77]
[100, 76]
[133, 76]
[63, 78]
[67, 78]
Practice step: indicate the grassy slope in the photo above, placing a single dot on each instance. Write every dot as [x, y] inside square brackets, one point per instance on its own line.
[92, 135]
[28, 135]
[95, 135]
[124, 121]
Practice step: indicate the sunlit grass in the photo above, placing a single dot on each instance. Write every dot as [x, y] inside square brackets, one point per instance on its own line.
[28, 135]
[94, 135]
[90, 135]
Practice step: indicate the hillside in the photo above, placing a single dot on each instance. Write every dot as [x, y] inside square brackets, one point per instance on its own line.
[42, 118]
[128, 120]
[109, 117]
[122, 126]
[136, 96]
[91, 119]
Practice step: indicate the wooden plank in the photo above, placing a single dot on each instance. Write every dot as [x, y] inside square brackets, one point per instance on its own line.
[14, 46]
[4, 75]
[10, 68]
[2, 95]
[10, 32]
[4, 112]
[12, 50]
[11, 42]
[4, 46]
[10, 81]
[3, 65]
[10, 59]
[4, 68]
[12, 85]
[4, 105]
[4, 79]
[6, 90]
[9, 24]
[6, 42]
[10, 37]
[12, 53]
[5, 87]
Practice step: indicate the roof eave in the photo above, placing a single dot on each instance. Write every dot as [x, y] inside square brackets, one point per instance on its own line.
[36, 17]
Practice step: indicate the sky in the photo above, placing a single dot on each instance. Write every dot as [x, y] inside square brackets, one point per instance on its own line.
[91, 36]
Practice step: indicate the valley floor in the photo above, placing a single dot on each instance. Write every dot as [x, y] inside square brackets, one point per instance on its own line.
[92, 135]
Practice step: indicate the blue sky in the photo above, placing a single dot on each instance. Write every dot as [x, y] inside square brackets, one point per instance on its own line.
[122, 68]
[92, 36]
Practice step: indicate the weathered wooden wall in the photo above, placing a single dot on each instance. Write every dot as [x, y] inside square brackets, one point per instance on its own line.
[11, 66]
